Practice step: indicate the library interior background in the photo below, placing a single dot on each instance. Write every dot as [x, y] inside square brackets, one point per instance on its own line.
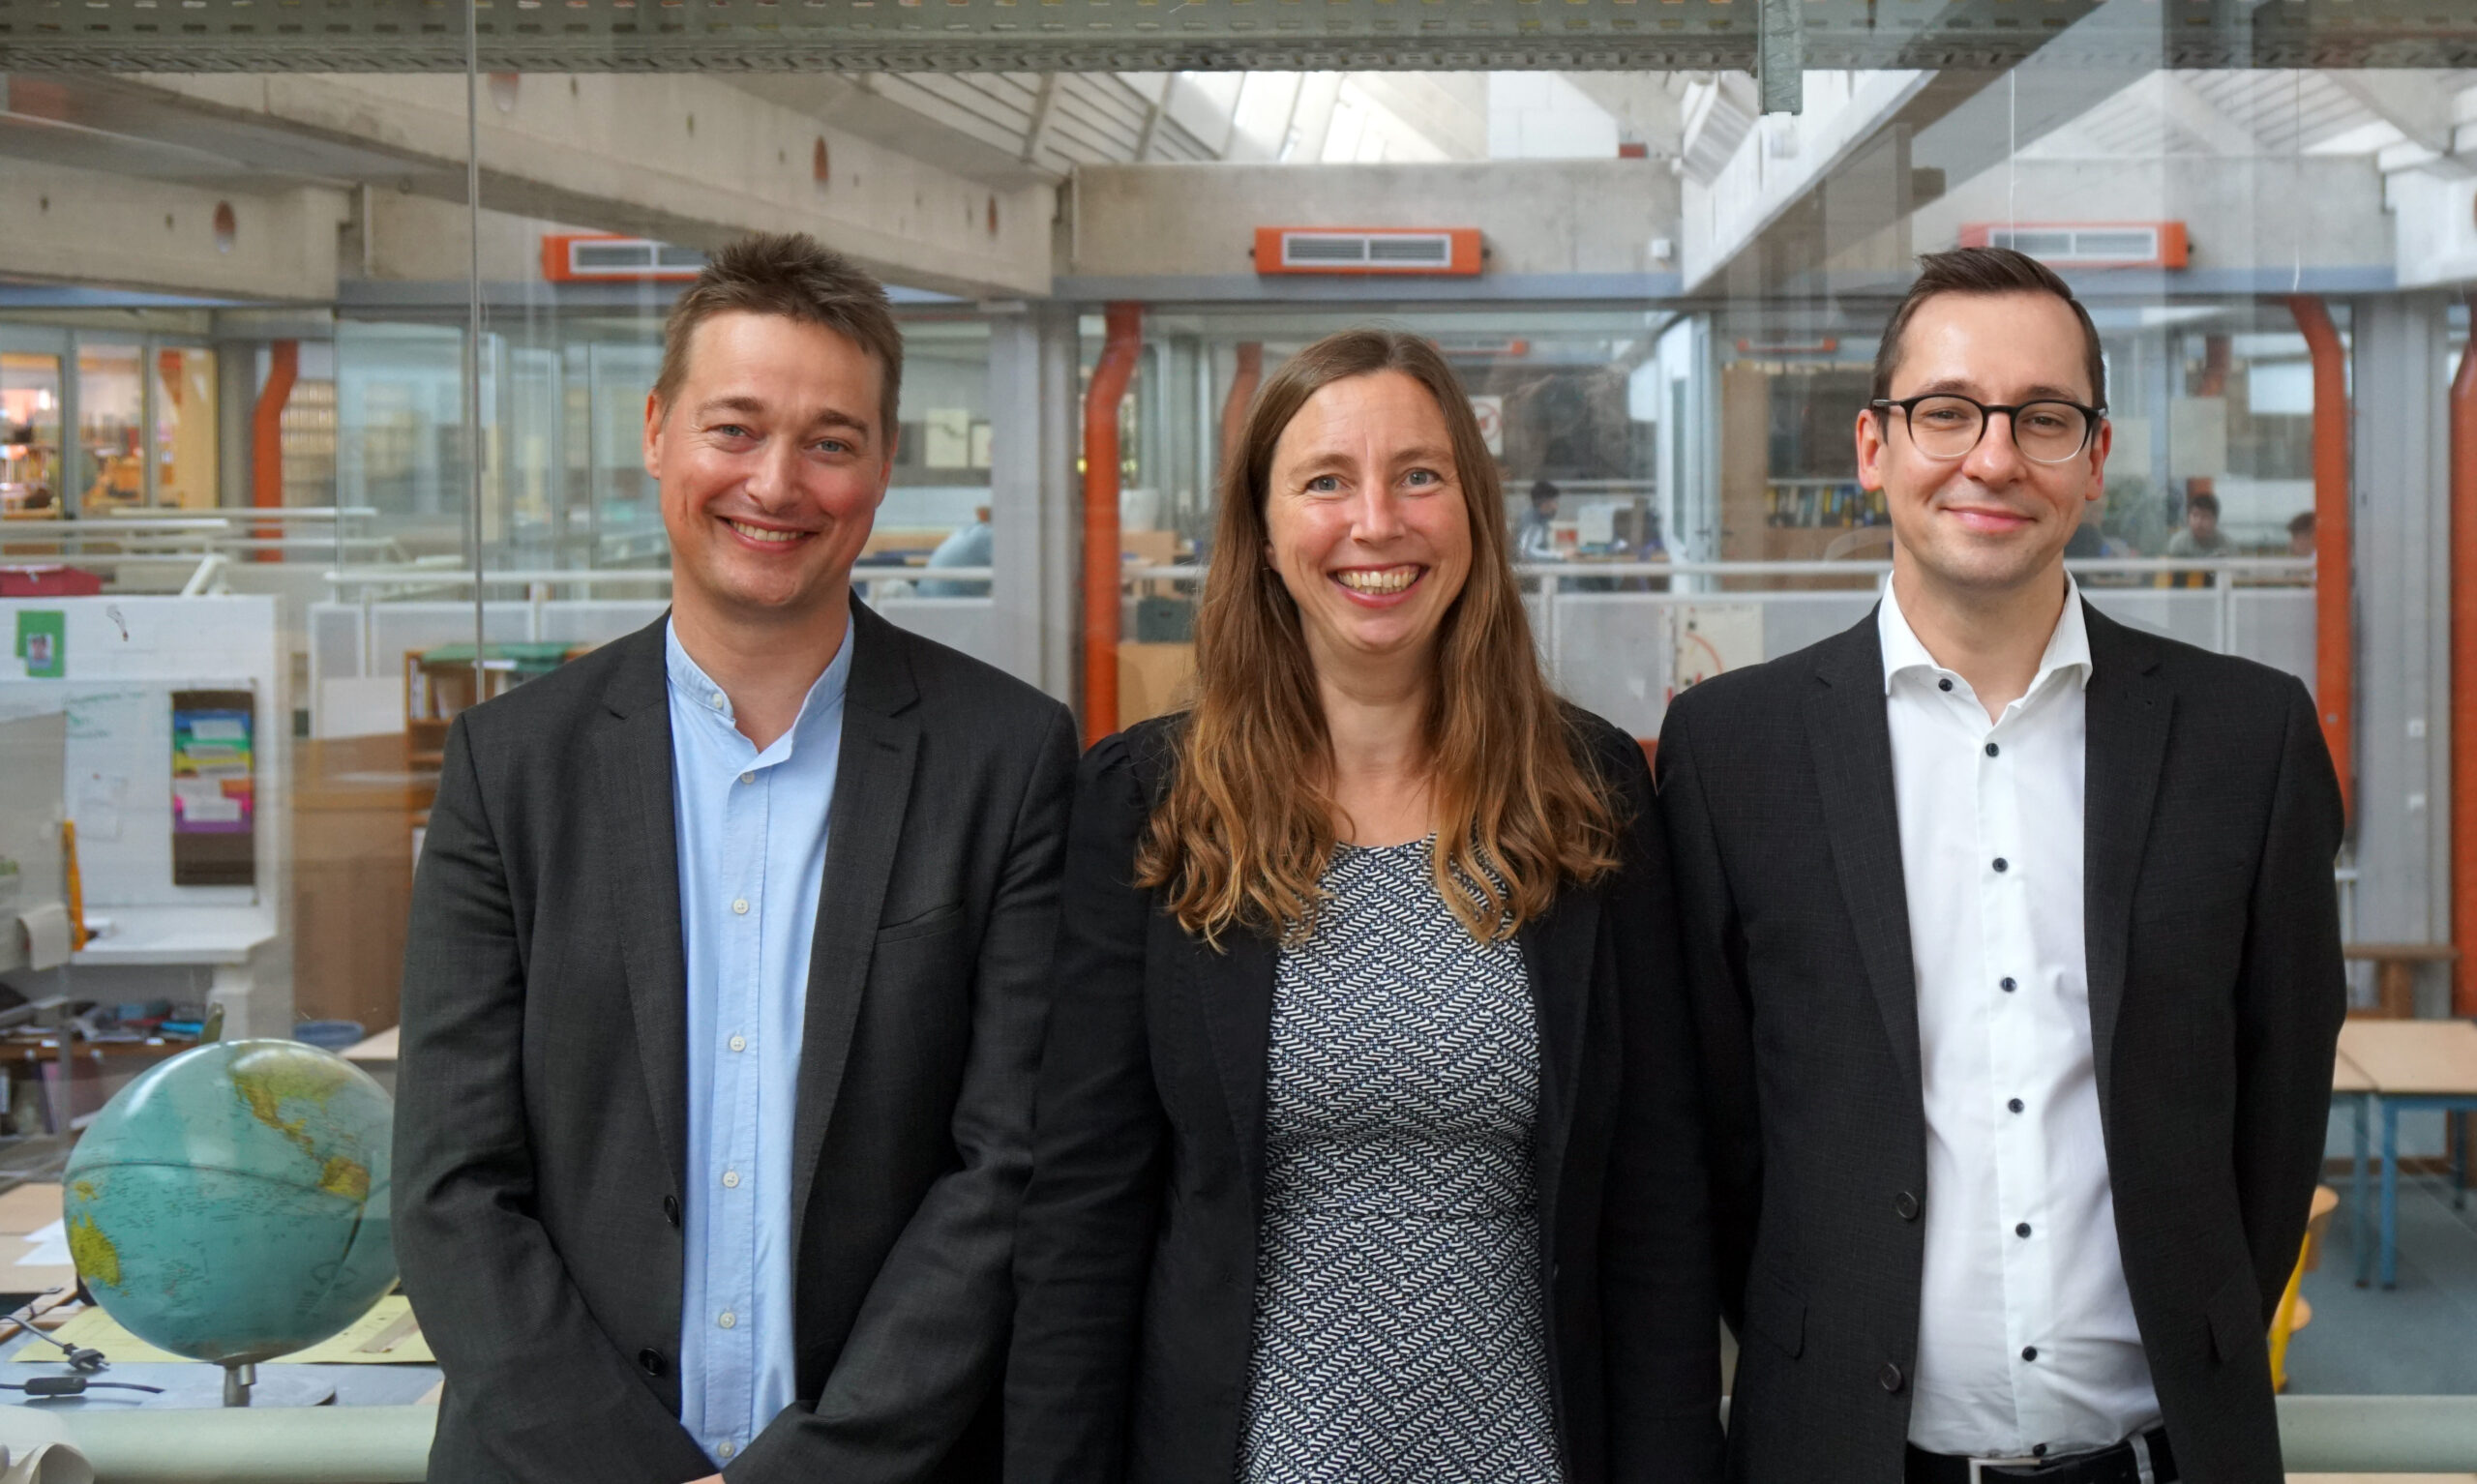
[326, 328]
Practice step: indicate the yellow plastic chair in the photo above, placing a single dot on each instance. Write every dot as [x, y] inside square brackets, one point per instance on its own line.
[2294, 1313]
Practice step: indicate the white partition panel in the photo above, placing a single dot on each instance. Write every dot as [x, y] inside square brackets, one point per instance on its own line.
[1616, 653]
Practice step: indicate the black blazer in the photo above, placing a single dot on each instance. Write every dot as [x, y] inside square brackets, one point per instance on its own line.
[543, 1078]
[2215, 995]
[1136, 1260]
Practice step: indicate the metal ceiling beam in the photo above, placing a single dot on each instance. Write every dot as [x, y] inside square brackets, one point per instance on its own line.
[1171, 34]
[2189, 111]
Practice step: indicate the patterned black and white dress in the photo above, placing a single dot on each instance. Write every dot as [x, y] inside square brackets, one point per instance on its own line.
[1399, 1333]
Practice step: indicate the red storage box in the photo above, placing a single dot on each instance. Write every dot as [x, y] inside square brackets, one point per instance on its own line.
[52, 582]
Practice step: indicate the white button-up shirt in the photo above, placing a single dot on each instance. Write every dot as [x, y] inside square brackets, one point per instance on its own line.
[2026, 1338]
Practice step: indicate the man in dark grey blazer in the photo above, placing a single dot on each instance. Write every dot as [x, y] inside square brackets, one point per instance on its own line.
[721, 1006]
[2015, 956]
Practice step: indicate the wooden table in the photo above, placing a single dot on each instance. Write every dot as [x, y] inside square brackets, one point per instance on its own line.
[2395, 971]
[2412, 1064]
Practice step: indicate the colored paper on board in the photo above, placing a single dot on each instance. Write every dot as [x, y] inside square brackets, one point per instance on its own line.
[213, 798]
[43, 636]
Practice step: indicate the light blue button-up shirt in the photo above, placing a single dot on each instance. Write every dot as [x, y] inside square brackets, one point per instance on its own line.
[752, 860]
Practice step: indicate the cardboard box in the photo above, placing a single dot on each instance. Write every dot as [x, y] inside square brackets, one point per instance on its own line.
[1153, 679]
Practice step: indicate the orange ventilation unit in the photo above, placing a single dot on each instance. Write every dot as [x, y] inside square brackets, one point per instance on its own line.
[2085, 244]
[570, 257]
[1369, 251]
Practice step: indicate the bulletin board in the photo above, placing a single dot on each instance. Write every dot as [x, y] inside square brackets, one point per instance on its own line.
[31, 752]
[120, 785]
[173, 769]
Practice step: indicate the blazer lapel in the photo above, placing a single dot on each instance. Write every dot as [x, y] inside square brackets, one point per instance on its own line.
[1853, 755]
[1235, 988]
[634, 747]
[864, 826]
[1557, 952]
[2128, 708]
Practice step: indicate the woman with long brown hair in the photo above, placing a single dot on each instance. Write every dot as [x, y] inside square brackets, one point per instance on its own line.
[1367, 1145]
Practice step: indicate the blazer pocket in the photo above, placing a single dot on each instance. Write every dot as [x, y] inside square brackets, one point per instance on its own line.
[1775, 1311]
[2235, 1316]
[934, 920]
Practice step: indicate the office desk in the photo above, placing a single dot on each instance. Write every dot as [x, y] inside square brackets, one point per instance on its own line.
[2412, 1064]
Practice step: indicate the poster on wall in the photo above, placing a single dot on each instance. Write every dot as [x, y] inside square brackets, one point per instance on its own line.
[43, 642]
[214, 813]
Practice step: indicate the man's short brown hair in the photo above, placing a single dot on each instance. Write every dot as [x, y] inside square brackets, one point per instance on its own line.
[794, 275]
[1984, 271]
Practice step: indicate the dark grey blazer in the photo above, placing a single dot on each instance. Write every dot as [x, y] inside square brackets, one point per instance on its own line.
[542, 1107]
[2211, 818]
[1137, 1257]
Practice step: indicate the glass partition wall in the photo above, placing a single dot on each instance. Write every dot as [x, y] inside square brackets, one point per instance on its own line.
[375, 346]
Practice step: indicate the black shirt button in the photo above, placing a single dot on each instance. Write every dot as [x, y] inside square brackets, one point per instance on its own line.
[2015, 1104]
[2001, 864]
[1890, 1378]
[2029, 1352]
[1992, 748]
[1943, 685]
[670, 1209]
[2008, 986]
[1906, 1205]
[650, 1362]
[2023, 1229]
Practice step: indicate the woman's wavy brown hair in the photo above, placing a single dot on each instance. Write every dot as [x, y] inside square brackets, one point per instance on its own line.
[1244, 831]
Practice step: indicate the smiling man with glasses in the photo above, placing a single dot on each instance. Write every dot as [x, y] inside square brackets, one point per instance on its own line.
[2016, 960]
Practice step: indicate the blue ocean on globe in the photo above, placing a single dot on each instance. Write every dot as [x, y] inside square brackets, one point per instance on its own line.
[230, 1204]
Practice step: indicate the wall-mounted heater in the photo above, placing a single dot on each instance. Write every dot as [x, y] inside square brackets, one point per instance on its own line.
[2085, 244]
[1451, 251]
[579, 258]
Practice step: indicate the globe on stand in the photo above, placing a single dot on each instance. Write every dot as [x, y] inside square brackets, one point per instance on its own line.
[232, 1204]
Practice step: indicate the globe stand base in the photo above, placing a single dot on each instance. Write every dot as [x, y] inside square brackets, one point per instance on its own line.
[243, 1387]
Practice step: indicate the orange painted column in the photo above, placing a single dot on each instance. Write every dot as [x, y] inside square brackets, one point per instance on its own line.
[1245, 377]
[266, 435]
[2334, 570]
[1123, 338]
[2464, 678]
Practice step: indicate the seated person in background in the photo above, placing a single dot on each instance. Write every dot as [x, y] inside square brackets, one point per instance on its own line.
[725, 974]
[2201, 535]
[968, 546]
[1538, 542]
[2300, 534]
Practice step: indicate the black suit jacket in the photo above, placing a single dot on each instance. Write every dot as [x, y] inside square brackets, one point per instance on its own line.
[1136, 1261]
[542, 1100]
[2211, 818]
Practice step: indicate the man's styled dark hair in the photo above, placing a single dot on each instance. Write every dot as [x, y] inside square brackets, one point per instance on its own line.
[794, 275]
[2301, 525]
[1984, 271]
[1544, 493]
[2203, 502]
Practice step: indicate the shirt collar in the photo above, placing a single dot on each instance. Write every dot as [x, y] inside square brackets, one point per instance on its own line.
[692, 684]
[2068, 648]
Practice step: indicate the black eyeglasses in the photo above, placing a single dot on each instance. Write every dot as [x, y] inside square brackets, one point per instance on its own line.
[1945, 424]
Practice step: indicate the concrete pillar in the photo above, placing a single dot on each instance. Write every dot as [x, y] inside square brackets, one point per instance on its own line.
[236, 394]
[1032, 490]
[2402, 548]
